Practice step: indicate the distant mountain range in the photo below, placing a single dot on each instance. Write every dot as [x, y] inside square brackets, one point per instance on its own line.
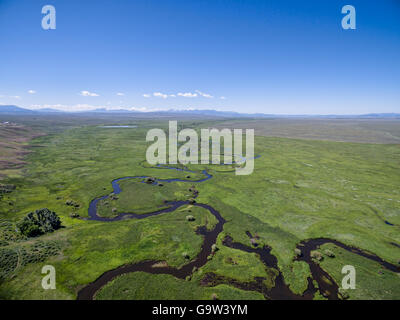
[15, 110]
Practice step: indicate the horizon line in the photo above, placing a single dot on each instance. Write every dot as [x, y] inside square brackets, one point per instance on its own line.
[140, 110]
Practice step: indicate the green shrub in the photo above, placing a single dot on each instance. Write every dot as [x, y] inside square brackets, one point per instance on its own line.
[3, 243]
[39, 222]
[29, 228]
[185, 255]
[8, 262]
[316, 255]
[25, 254]
[6, 188]
[329, 253]
[72, 203]
[343, 294]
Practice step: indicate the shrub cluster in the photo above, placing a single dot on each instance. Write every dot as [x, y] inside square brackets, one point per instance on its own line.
[316, 255]
[8, 233]
[72, 203]
[39, 222]
[37, 252]
[6, 188]
[8, 262]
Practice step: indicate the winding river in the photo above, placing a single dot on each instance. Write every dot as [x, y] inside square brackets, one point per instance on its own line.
[280, 290]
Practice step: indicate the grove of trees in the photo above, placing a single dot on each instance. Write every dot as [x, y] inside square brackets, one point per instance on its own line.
[39, 222]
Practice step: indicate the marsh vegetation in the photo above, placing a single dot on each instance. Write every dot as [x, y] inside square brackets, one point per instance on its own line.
[300, 189]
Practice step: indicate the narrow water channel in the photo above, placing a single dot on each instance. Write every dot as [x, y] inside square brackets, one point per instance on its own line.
[281, 291]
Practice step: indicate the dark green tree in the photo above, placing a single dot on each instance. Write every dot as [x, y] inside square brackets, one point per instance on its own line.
[39, 222]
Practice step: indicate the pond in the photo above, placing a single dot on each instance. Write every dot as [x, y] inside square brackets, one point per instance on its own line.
[125, 126]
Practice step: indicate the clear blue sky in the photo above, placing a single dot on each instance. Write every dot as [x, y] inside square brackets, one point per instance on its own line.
[283, 57]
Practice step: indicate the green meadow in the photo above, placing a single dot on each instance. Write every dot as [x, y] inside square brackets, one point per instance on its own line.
[141, 197]
[300, 189]
[369, 274]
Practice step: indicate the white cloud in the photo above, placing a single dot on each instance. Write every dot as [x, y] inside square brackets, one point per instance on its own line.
[205, 95]
[15, 97]
[223, 98]
[187, 94]
[120, 94]
[161, 95]
[31, 91]
[88, 107]
[88, 94]
[195, 94]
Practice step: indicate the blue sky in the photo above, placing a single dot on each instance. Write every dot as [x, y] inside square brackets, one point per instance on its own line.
[282, 57]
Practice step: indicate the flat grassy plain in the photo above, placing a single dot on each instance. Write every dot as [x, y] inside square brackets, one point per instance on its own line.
[14, 145]
[343, 130]
[300, 189]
